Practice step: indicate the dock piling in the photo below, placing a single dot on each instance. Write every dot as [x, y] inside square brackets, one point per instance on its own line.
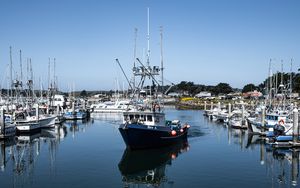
[229, 109]
[73, 106]
[37, 113]
[243, 115]
[57, 109]
[263, 114]
[295, 125]
[2, 121]
[295, 166]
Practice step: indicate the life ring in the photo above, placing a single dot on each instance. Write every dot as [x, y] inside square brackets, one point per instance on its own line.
[281, 122]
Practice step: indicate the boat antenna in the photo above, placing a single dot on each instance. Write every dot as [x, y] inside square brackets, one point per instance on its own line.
[161, 58]
[148, 37]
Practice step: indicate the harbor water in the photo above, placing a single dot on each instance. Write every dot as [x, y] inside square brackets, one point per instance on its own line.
[93, 154]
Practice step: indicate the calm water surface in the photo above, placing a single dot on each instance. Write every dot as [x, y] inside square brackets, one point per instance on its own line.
[92, 154]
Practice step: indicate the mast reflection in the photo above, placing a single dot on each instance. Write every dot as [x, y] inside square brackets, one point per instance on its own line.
[20, 154]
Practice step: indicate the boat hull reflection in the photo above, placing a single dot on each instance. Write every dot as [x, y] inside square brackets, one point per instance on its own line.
[148, 166]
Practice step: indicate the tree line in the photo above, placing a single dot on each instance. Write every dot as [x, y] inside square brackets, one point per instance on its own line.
[287, 79]
[190, 88]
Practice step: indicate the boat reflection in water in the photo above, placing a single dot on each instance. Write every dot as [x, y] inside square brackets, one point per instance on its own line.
[148, 166]
[20, 153]
[287, 163]
[282, 164]
[75, 126]
[4, 144]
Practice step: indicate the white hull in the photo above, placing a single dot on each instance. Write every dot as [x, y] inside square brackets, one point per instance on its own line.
[109, 110]
[27, 126]
[255, 129]
[237, 124]
[47, 122]
[59, 119]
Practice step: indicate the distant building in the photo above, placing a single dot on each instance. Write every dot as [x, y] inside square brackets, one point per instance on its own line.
[203, 94]
[174, 94]
[234, 94]
[294, 95]
[99, 95]
[252, 94]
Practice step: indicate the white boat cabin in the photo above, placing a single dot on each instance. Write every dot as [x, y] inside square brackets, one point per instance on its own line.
[274, 118]
[144, 118]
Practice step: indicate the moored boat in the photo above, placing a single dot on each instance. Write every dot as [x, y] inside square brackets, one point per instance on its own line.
[148, 129]
[29, 121]
[77, 114]
[144, 125]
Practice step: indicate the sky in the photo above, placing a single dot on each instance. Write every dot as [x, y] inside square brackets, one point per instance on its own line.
[204, 41]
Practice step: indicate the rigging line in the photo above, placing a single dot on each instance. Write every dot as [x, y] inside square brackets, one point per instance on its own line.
[124, 73]
[135, 90]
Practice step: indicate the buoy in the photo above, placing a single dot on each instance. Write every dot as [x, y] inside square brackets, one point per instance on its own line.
[173, 156]
[181, 130]
[281, 122]
[188, 126]
[173, 133]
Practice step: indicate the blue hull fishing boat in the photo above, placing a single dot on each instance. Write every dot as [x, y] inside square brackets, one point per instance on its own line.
[144, 124]
[150, 130]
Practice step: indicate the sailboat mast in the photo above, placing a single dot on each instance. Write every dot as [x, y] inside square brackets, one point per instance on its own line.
[270, 84]
[281, 79]
[31, 90]
[54, 66]
[11, 78]
[291, 84]
[276, 82]
[49, 73]
[21, 69]
[134, 56]
[283, 91]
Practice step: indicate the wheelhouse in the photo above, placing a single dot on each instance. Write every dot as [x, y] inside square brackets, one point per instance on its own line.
[145, 118]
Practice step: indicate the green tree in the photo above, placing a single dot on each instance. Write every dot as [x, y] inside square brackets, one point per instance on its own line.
[186, 86]
[249, 87]
[83, 93]
[222, 88]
